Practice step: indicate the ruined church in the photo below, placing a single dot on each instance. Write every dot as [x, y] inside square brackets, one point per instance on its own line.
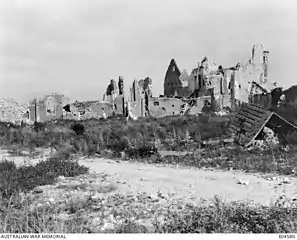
[228, 86]
[209, 84]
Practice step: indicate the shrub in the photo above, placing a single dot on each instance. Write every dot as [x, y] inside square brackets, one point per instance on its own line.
[7, 166]
[26, 178]
[60, 167]
[143, 151]
[234, 217]
[78, 128]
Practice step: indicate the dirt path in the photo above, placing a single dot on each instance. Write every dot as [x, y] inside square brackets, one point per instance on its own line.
[187, 183]
[191, 183]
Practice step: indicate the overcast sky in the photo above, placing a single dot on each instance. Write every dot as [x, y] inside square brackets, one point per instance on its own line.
[77, 46]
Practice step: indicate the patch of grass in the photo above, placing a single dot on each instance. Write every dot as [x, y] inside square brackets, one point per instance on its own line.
[216, 217]
[25, 178]
[234, 217]
[90, 136]
[278, 160]
[43, 220]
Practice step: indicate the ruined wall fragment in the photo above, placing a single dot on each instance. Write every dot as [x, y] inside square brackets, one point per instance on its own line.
[253, 71]
[121, 85]
[137, 96]
[161, 107]
[172, 84]
[48, 107]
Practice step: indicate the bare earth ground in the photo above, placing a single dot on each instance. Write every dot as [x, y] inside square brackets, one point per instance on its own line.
[191, 183]
[188, 183]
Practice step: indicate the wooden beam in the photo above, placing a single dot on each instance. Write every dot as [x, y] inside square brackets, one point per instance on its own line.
[252, 114]
[261, 128]
[244, 123]
[238, 129]
[286, 121]
[246, 117]
[258, 109]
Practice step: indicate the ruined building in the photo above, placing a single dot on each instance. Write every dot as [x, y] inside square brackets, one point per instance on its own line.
[140, 94]
[227, 86]
[176, 82]
[209, 85]
[113, 101]
[47, 108]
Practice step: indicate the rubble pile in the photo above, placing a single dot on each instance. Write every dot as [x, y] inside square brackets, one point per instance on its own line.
[270, 139]
[83, 105]
[11, 110]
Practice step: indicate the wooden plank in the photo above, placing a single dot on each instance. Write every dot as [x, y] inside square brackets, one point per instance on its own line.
[255, 106]
[257, 109]
[229, 132]
[238, 129]
[248, 131]
[253, 112]
[245, 119]
[244, 123]
[253, 118]
[248, 115]
[228, 140]
[245, 138]
[260, 128]
[218, 141]
[253, 115]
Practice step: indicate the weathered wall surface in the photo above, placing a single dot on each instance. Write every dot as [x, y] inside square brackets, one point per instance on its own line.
[161, 107]
[254, 71]
[102, 107]
[172, 83]
[137, 108]
[195, 106]
[232, 85]
[48, 108]
[192, 80]
[208, 77]
[119, 105]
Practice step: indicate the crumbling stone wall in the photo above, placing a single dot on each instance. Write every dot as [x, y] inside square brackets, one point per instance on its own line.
[115, 96]
[208, 79]
[173, 86]
[102, 108]
[47, 108]
[137, 99]
[233, 85]
[254, 71]
[161, 107]
[140, 94]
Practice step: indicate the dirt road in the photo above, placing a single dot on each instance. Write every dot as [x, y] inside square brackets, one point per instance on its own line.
[192, 183]
[187, 183]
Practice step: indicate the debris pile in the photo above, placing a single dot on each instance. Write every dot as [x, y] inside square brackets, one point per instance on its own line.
[223, 112]
[270, 139]
[11, 110]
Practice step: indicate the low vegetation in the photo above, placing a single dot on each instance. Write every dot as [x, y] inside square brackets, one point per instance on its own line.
[142, 140]
[234, 217]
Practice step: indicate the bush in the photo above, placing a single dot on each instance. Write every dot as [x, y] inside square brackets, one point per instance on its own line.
[25, 178]
[279, 160]
[143, 151]
[78, 128]
[234, 217]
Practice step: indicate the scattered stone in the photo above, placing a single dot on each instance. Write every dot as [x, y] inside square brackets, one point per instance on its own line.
[286, 180]
[242, 182]
[37, 191]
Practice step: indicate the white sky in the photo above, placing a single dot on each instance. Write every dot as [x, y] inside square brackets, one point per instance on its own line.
[77, 46]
